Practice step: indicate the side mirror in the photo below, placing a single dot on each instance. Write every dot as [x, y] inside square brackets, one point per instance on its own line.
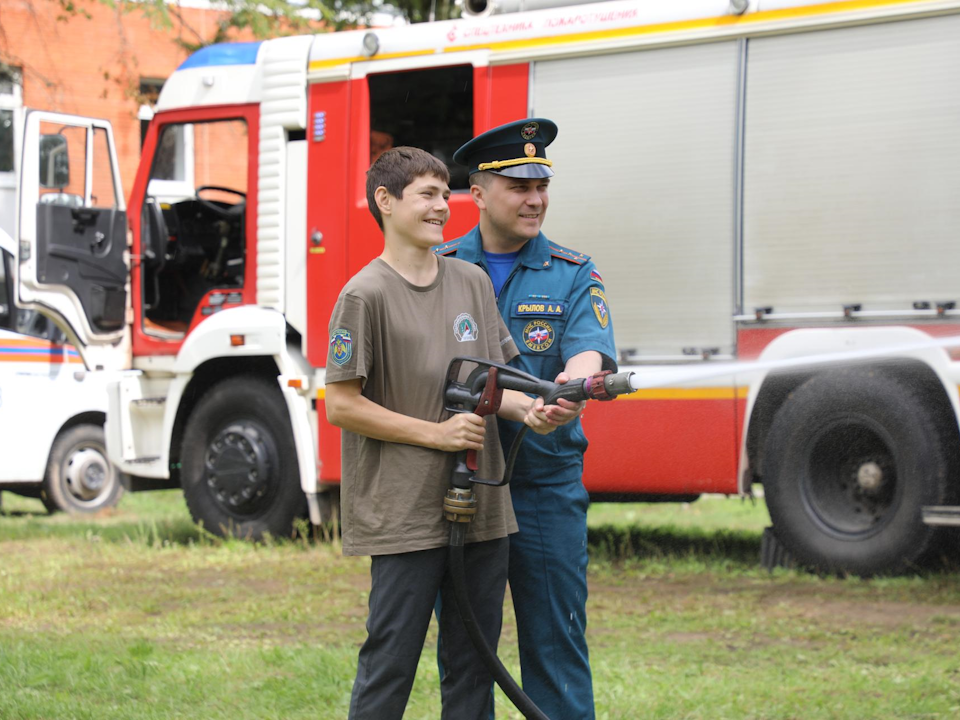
[54, 162]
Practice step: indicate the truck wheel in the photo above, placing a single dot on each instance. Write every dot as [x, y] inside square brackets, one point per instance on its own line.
[239, 464]
[850, 460]
[80, 479]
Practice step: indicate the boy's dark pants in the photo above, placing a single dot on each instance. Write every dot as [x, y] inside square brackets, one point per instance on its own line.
[402, 595]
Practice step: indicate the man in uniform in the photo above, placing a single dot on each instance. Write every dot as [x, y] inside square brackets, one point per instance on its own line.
[552, 300]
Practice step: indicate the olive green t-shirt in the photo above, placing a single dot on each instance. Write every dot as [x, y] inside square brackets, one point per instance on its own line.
[398, 339]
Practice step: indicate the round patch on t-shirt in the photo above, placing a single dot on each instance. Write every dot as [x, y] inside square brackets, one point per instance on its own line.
[538, 335]
[341, 345]
[465, 328]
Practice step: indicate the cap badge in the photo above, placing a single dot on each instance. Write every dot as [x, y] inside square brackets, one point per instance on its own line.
[530, 150]
[529, 131]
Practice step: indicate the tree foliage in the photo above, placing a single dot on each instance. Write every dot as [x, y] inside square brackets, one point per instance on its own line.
[272, 18]
[238, 19]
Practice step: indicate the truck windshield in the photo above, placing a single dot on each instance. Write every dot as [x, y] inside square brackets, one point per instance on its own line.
[193, 227]
[430, 109]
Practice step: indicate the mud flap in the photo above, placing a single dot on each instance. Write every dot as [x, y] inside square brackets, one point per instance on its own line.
[773, 554]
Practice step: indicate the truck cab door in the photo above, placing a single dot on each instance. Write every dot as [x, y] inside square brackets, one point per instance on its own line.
[72, 226]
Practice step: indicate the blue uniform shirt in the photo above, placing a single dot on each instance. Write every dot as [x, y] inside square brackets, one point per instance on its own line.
[554, 305]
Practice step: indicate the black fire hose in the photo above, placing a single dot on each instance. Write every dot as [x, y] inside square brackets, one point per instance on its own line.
[500, 675]
[481, 393]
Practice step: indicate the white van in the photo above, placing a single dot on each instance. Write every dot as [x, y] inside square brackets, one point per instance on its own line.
[51, 411]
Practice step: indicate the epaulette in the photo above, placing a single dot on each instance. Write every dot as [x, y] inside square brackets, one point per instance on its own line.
[577, 258]
[446, 248]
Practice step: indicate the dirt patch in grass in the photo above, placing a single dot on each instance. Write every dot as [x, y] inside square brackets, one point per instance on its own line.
[757, 610]
[877, 614]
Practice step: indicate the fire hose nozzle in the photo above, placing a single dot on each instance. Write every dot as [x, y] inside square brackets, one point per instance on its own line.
[595, 386]
[603, 385]
[614, 384]
[480, 392]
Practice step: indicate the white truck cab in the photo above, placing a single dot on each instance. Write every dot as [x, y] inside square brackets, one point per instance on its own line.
[52, 407]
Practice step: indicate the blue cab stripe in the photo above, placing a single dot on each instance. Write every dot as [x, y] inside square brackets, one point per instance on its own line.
[223, 54]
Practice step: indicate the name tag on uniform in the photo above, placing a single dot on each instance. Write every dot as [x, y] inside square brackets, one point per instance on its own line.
[538, 307]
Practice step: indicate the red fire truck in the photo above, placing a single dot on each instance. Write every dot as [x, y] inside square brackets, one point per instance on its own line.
[755, 180]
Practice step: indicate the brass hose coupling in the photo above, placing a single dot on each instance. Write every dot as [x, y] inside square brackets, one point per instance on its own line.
[460, 505]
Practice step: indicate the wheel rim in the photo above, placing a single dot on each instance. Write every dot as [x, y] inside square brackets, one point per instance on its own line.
[851, 485]
[88, 477]
[238, 468]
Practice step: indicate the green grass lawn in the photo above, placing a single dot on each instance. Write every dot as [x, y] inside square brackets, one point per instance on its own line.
[139, 614]
[710, 512]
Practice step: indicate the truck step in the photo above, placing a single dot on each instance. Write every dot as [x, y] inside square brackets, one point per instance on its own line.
[143, 460]
[148, 402]
[942, 515]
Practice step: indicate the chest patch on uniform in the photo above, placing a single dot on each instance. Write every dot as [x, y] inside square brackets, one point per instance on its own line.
[341, 345]
[465, 328]
[538, 307]
[600, 309]
[538, 335]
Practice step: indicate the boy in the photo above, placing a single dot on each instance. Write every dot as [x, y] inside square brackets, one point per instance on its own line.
[395, 328]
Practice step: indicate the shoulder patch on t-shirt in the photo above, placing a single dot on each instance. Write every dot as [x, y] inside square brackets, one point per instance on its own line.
[341, 346]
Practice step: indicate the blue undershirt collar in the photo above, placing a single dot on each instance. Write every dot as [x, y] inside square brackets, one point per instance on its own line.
[499, 265]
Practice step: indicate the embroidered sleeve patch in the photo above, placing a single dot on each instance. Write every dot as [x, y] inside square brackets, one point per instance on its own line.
[341, 346]
[600, 309]
[594, 275]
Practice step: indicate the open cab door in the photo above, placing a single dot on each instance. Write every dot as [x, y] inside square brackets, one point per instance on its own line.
[72, 228]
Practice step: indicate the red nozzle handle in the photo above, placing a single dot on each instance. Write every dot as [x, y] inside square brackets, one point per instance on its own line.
[489, 404]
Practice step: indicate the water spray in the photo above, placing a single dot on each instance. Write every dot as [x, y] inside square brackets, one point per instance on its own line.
[670, 375]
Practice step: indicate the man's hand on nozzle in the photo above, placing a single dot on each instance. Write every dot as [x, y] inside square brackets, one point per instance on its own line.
[536, 418]
[564, 411]
[463, 431]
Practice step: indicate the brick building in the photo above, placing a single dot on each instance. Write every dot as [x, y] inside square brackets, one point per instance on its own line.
[97, 60]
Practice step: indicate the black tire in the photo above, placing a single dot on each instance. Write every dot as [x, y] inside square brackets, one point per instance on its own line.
[239, 464]
[80, 480]
[850, 460]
